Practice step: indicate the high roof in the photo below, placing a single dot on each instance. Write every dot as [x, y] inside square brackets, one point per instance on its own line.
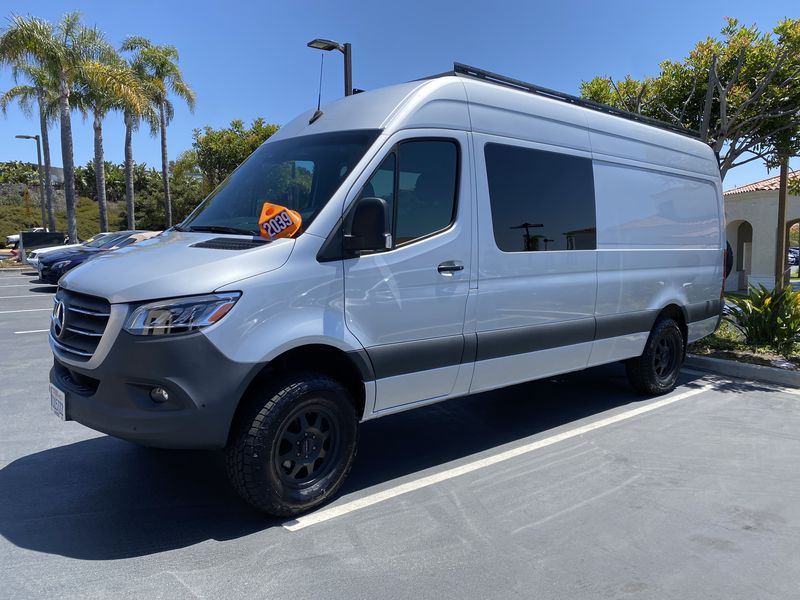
[764, 185]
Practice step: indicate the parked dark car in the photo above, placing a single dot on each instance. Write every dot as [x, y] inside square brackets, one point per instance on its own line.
[53, 265]
[793, 258]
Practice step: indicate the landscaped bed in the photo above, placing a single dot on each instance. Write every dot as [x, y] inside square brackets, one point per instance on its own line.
[728, 343]
[761, 328]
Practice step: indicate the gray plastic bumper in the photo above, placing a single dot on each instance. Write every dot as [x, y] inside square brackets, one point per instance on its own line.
[204, 390]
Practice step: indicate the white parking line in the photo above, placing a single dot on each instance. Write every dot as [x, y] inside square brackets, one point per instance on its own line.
[18, 285]
[32, 331]
[8, 312]
[28, 296]
[336, 511]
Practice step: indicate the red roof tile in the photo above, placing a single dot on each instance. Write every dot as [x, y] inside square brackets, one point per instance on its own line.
[770, 183]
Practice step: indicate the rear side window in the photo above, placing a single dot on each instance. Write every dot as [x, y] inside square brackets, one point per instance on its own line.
[540, 201]
[418, 182]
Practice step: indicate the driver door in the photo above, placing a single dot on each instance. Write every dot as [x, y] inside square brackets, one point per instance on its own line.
[406, 304]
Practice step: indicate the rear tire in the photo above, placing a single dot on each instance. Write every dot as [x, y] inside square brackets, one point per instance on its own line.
[293, 446]
[656, 371]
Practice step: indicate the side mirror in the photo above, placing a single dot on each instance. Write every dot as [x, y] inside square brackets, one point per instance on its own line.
[368, 227]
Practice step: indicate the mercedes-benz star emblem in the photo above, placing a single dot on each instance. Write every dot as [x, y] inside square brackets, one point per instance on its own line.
[58, 319]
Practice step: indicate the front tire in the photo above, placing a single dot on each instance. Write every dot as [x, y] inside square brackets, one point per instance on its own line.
[294, 445]
[656, 371]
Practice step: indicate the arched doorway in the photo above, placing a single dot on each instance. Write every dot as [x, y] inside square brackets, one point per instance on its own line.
[740, 237]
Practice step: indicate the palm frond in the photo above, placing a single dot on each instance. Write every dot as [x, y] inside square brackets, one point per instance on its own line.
[135, 42]
[25, 95]
[181, 89]
[30, 39]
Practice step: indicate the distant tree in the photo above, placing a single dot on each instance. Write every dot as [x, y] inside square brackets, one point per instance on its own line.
[65, 53]
[16, 171]
[42, 90]
[159, 68]
[133, 114]
[97, 96]
[219, 151]
[794, 186]
[741, 93]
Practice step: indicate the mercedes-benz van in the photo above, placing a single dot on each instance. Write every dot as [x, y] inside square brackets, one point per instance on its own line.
[449, 236]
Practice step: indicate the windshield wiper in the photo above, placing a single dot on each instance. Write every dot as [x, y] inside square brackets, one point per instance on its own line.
[223, 229]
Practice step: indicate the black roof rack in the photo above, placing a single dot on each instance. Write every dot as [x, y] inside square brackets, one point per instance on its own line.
[476, 73]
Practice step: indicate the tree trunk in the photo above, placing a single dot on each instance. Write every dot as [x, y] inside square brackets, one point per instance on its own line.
[129, 171]
[48, 184]
[162, 109]
[780, 242]
[100, 172]
[67, 158]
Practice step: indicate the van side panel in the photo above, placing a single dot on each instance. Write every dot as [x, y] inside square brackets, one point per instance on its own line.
[658, 238]
[643, 208]
[623, 139]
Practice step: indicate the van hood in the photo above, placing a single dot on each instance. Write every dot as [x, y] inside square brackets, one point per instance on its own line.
[171, 265]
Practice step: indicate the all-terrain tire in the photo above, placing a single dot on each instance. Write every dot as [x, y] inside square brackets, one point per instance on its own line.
[656, 371]
[294, 443]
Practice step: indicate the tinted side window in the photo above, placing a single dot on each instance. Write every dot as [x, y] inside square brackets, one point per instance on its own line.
[540, 200]
[426, 188]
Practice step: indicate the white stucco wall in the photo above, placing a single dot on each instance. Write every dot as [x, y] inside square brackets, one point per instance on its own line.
[760, 209]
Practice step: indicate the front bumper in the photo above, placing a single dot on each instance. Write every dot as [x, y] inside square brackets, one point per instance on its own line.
[204, 390]
[49, 275]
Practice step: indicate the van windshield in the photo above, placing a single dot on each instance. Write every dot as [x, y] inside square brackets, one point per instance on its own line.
[299, 173]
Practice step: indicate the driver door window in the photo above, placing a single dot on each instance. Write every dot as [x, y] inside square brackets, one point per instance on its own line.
[418, 182]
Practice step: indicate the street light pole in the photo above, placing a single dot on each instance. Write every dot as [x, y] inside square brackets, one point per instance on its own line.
[41, 174]
[347, 50]
[348, 69]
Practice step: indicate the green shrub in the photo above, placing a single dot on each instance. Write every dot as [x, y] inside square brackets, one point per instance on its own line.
[768, 317]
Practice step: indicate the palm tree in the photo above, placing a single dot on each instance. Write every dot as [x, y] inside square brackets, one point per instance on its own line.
[97, 95]
[65, 53]
[160, 68]
[42, 90]
[133, 113]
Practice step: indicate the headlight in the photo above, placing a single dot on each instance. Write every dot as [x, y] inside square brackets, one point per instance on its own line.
[180, 315]
[62, 264]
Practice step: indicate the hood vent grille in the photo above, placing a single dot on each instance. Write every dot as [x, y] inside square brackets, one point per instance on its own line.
[226, 243]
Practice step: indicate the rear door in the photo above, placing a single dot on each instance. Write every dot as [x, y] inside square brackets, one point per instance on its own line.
[406, 304]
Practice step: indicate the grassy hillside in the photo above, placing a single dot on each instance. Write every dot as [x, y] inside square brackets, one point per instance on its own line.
[16, 218]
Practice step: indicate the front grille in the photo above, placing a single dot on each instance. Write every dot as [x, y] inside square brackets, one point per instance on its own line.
[76, 328]
[230, 244]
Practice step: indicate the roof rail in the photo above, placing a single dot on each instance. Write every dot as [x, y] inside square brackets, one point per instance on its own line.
[482, 75]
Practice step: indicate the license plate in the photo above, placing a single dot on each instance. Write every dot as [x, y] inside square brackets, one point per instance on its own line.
[58, 402]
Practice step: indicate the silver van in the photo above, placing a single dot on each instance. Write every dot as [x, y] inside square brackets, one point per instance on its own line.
[459, 234]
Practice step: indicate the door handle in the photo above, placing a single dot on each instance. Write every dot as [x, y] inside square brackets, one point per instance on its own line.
[451, 266]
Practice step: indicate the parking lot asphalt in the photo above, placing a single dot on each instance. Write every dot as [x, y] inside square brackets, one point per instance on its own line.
[571, 487]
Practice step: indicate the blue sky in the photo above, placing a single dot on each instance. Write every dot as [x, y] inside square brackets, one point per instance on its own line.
[249, 59]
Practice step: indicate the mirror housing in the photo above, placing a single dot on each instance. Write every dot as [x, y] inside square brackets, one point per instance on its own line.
[367, 228]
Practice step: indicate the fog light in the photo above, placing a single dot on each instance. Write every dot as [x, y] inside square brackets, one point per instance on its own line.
[159, 394]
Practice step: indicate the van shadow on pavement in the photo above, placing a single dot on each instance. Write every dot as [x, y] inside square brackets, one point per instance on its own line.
[104, 498]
